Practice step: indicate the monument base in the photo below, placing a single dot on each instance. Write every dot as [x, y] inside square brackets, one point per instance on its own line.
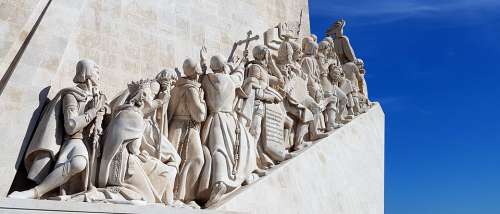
[343, 173]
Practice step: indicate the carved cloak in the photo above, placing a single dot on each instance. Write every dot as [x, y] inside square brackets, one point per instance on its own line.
[232, 155]
[48, 136]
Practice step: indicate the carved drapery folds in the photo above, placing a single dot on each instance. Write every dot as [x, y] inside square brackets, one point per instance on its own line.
[190, 139]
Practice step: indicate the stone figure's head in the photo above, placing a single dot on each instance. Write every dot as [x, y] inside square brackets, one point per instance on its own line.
[139, 93]
[166, 78]
[335, 73]
[217, 64]
[285, 53]
[329, 40]
[324, 47]
[306, 40]
[314, 37]
[297, 51]
[337, 28]
[310, 48]
[191, 68]
[86, 70]
[260, 52]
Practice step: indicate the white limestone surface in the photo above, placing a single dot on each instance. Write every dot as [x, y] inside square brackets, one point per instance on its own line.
[29, 206]
[343, 173]
[129, 39]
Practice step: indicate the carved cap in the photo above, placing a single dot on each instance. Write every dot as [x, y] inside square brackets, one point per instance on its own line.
[310, 47]
[323, 45]
[166, 74]
[259, 52]
[85, 68]
[217, 64]
[190, 67]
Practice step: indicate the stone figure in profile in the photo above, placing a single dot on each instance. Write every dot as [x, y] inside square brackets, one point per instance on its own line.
[127, 171]
[343, 47]
[186, 112]
[297, 100]
[267, 115]
[324, 61]
[346, 93]
[64, 137]
[309, 66]
[232, 148]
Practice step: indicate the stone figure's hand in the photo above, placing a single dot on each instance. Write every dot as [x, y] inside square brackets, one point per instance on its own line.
[134, 147]
[203, 54]
[202, 94]
[164, 97]
[277, 99]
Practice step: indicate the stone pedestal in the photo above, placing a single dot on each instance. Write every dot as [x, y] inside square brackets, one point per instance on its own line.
[343, 173]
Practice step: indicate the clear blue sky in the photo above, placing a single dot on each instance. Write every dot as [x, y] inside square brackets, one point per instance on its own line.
[435, 68]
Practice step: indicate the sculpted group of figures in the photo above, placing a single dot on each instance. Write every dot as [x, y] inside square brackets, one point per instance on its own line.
[190, 139]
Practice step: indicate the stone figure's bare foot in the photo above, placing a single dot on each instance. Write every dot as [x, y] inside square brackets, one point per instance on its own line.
[28, 194]
[217, 192]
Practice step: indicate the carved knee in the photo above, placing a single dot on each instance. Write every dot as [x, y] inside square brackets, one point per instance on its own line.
[77, 164]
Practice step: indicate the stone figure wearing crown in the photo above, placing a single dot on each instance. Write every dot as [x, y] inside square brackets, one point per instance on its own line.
[127, 170]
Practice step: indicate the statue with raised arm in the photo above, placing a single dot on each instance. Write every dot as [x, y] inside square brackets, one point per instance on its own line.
[64, 137]
[186, 112]
[232, 148]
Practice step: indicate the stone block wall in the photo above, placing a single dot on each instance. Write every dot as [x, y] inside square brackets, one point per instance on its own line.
[129, 39]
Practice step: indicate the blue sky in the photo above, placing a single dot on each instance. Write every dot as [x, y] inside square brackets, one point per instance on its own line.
[435, 68]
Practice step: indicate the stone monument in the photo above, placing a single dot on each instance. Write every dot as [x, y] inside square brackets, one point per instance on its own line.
[253, 125]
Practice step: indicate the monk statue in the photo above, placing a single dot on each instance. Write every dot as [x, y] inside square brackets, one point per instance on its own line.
[232, 148]
[343, 47]
[68, 127]
[186, 112]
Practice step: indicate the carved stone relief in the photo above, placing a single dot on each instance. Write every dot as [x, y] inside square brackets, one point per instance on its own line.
[191, 139]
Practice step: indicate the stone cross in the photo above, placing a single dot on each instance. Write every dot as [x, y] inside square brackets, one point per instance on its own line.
[241, 42]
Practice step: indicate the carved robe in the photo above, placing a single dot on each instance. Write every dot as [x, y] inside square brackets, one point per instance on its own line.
[232, 149]
[131, 175]
[310, 66]
[268, 118]
[187, 110]
[344, 49]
